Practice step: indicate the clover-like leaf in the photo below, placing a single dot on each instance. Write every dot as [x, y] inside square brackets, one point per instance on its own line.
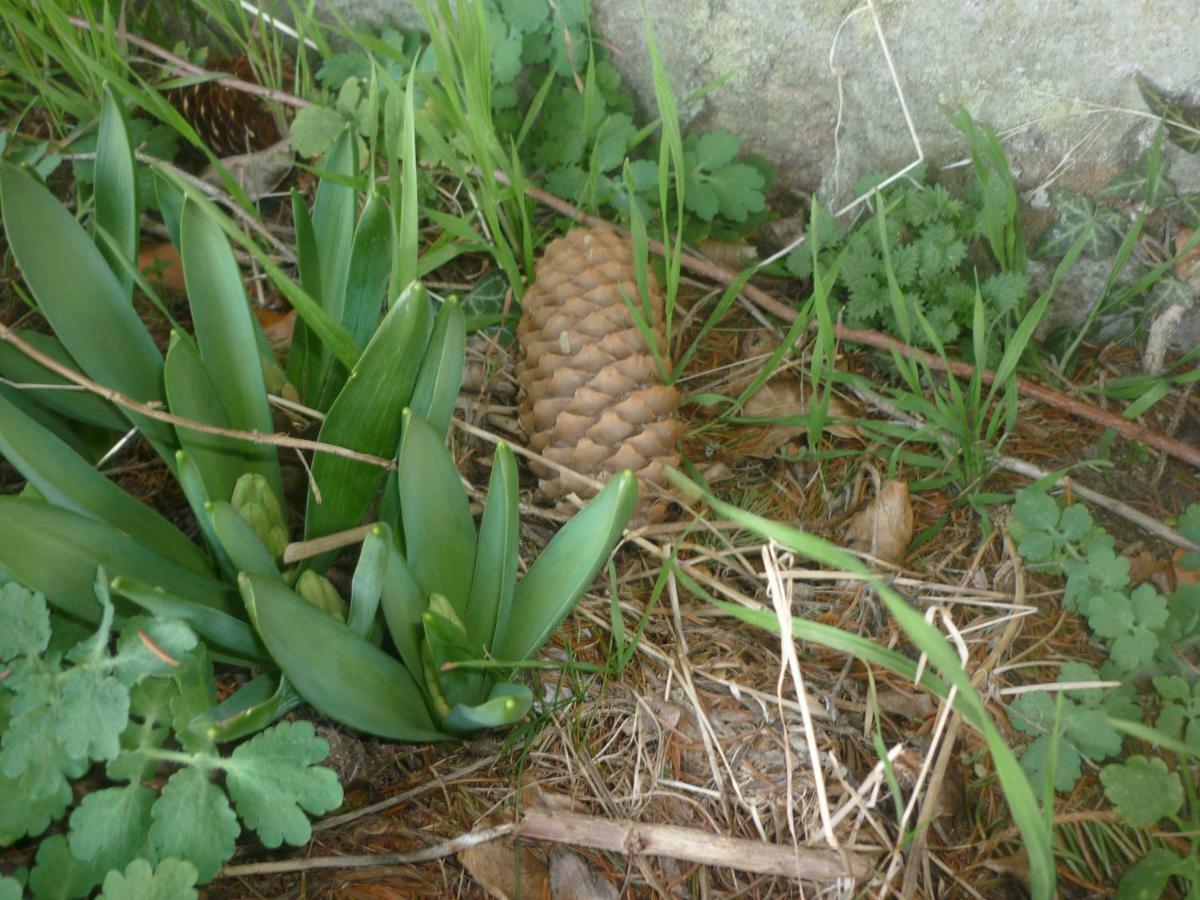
[315, 129]
[1131, 622]
[172, 879]
[274, 775]
[58, 875]
[1142, 790]
[193, 821]
[24, 622]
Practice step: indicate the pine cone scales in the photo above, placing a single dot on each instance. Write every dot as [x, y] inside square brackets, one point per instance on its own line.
[593, 399]
[229, 121]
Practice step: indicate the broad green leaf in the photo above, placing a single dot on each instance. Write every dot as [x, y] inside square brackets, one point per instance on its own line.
[92, 711]
[172, 878]
[366, 416]
[506, 705]
[143, 644]
[496, 554]
[349, 679]
[56, 552]
[1181, 115]
[366, 587]
[64, 479]
[367, 277]
[301, 355]
[193, 821]
[405, 188]
[273, 778]
[333, 227]
[24, 622]
[441, 371]
[170, 204]
[446, 641]
[223, 631]
[58, 875]
[1142, 790]
[60, 395]
[247, 551]
[556, 581]
[82, 300]
[115, 190]
[24, 812]
[110, 826]
[226, 335]
[439, 534]
[249, 709]
[192, 483]
[403, 605]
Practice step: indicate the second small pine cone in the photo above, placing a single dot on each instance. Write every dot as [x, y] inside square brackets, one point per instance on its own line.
[592, 396]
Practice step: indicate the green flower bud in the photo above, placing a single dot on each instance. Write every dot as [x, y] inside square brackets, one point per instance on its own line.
[257, 504]
[320, 592]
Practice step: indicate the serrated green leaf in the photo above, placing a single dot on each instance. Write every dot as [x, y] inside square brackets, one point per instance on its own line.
[440, 377]
[25, 812]
[350, 680]
[143, 643]
[715, 149]
[439, 534]
[92, 712]
[148, 729]
[193, 821]
[65, 479]
[24, 622]
[1147, 879]
[366, 415]
[226, 335]
[1142, 790]
[110, 826]
[273, 779]
[31, 749]
[57, 875]
[315, 129]
[172, 879]
[525, 15]
[115, 190]
[556, 581]
[83, 301]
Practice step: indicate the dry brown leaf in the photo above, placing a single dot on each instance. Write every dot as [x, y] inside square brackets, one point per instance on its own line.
[884, 527]
[163, 268]
[786, 397]
[573, 879]
[1184, 575]
[730, 254]
[277, 326]
[917, 707]
[494, 866]
[1187, 267]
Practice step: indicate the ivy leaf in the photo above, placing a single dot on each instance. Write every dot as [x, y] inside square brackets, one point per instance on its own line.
[92, 712]
[273, 775]
[1133, 183]
[315, 129]
[143, 644]
[110, 826]
[174, 879]
[24, 622]
[1181, 115]
[57, 875]
[1186, 207]
[193, 821]
[1078, 215]
[1147, 879]
[1142, 790]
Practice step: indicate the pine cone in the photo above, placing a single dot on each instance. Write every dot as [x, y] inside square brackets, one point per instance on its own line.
[592, 397]
[229, 121]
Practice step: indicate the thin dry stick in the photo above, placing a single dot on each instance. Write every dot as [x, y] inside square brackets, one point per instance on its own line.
[151, 412]
[693, 845]
[437, 851]
[880, 341]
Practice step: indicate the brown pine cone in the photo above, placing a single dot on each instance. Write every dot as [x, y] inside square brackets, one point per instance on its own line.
[592, 397]
[229, 121]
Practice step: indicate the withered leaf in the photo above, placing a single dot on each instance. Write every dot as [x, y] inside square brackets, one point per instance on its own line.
[884, 527]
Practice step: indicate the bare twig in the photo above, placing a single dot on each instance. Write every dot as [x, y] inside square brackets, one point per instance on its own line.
[153, 412]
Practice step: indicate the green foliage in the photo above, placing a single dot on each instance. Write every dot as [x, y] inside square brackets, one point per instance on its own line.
[171, 878]
[1142, 632]
[125, 708]
[936, 247]
[1180, 114]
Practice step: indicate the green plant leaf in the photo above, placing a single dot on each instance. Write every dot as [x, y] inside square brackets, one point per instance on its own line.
[440, 377]
[64, 479]
[72, 403]
[56, 552]
[506, 705]
[556, 581]
[366, 280]
[110, 826]
[1181, 115]
[273, 777]
[172, 878]
[366, 587]
[24, 622]
[247, 551]
[58, 875]
[350, 679]
[439, 534]
[490, 604]
[315, 129]
[1078, 216]
[226, 335]
[143, 643]
[403, 605]
[1142, 790]
[116, 190]
[366, 416]
[193, 821]
[83, 301]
